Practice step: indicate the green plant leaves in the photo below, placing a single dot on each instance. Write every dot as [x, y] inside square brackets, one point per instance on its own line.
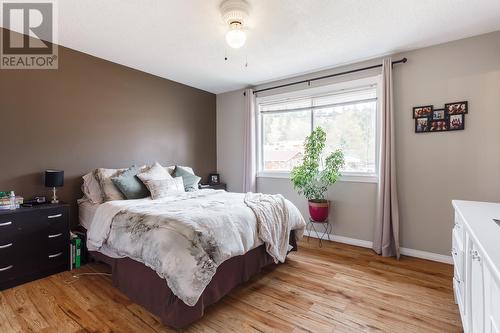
[307, 178]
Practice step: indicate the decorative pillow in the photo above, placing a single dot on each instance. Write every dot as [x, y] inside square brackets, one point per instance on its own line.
[130, 185]
[154, 172]
[91, 188]
[109, 190]
[161, 188]
[190, 180]
[171, 169]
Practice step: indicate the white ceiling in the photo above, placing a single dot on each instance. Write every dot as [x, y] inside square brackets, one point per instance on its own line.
[183, 40]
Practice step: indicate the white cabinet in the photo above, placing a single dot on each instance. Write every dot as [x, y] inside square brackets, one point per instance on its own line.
[476, 289]
[492, 304]
[476, 257]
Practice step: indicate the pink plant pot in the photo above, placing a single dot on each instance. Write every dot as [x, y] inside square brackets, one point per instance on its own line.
[319, 210]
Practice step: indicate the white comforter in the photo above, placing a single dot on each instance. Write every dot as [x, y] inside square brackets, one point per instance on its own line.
[185, 237]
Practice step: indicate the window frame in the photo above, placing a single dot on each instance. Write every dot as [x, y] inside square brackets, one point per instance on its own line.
[314, 93]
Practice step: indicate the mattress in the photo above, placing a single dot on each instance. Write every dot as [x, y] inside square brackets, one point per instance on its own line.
[86, 212]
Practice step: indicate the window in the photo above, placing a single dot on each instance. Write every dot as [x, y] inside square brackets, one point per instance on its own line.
[348, 115]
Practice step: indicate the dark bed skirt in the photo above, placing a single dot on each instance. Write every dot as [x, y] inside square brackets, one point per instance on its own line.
[143, 286]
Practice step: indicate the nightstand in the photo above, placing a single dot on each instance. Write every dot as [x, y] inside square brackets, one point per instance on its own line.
[220, 186]
[34, 243]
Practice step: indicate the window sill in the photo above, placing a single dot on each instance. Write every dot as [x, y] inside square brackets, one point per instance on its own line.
[345, 178]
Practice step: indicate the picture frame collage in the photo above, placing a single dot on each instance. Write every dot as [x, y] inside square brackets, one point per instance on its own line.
[450, 118]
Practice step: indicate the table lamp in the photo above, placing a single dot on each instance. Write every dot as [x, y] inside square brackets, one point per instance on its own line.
[54, 178]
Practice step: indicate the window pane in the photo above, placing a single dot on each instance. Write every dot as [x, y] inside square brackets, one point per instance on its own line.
[351, 128]
[283, 137]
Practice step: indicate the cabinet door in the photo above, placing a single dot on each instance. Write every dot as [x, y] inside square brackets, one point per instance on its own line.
[492, 303]
[476, 291]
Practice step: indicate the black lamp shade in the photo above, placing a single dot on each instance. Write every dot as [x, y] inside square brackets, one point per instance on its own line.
[54, 178]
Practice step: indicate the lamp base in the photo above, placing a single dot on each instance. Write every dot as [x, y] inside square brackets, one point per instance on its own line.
[54, 196]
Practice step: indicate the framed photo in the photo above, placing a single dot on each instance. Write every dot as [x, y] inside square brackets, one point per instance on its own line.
[438, 126]
[421, 125]
[214, 179]
[456, 108]
[422, 111]
[438, 115]
[456, 122]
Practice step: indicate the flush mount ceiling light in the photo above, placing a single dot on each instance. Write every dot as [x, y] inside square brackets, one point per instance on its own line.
[234, 13]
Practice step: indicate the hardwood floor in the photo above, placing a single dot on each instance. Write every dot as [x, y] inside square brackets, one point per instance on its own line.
[337, 288]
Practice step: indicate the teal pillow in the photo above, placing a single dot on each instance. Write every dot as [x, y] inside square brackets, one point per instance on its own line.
[190, 179]
[130, 185]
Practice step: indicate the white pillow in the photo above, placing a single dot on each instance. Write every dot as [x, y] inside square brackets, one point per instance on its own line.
[161, 188]
[154, 172]
[109, 190]
[91, 188]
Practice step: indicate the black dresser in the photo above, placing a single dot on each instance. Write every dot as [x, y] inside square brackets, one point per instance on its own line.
[34, 243]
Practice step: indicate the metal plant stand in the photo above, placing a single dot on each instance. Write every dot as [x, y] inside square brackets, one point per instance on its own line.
[321, 234]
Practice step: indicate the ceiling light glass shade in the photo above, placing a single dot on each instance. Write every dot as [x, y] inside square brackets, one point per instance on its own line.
[236, 37]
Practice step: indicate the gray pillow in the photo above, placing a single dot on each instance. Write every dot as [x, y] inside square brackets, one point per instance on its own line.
[130, 185]
[188, 177]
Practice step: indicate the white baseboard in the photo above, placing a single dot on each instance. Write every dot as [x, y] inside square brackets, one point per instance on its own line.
[342, 239]
[404, 251]
[426, 255]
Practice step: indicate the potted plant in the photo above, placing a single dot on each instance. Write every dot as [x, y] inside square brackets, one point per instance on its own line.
[313, 177]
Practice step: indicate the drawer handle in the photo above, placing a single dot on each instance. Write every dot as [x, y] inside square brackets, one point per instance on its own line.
[5, 224]
[5, 246]
[54, 216]
[52, 256]
[55, 236]
[6, 268]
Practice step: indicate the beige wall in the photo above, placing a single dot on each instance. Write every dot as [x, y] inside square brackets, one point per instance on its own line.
[433, 168]
[93, 113]
[230, 139]
[348, 217]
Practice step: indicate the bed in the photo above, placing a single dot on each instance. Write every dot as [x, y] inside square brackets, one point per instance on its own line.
[178, 255]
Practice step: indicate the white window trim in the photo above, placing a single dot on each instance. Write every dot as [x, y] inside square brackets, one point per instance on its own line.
[346, 177]
[310, 92]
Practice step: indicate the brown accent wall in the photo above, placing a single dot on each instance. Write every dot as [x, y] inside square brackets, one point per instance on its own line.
[93, 113]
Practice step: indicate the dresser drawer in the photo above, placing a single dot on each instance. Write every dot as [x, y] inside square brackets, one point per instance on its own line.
[54, 215]
[459, 227]
[457, 253]
[19, 223]
[8, 252]
[8, 227]
[57, 242]
[58, 257]
[8, 272]
[458, 289]
[57, 220]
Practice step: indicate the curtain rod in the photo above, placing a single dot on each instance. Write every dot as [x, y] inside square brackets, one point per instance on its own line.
[328, 76]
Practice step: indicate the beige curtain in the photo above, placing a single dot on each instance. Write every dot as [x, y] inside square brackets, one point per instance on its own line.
[249, 153]
[386, 231]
